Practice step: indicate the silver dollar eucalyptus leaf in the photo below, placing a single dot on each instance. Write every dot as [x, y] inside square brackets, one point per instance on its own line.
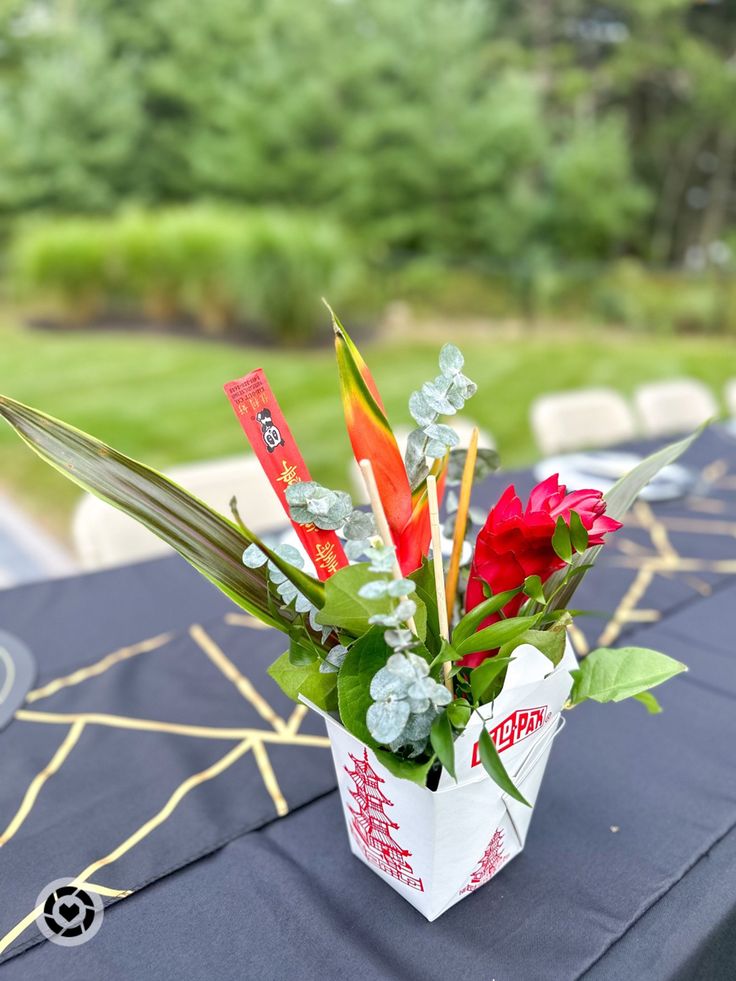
[333, 661]
[386, 682]
[359, 526]
[405, 610]
[290, 554]
[253, 557]
[355, 550]
[399, 638]
[420, 409]
[376, 589]
[400, 587]
[451, 360]
[381, 558]
[443, 434]
[386, 719]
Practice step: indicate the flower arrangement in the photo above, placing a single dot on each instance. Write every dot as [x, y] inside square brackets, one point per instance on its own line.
[407, 654]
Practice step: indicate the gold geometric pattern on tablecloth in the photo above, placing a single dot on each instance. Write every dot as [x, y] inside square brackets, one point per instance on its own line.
[283, 732]
[659, 558]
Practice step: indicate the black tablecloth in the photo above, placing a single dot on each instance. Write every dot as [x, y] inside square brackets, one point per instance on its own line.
[156, 755]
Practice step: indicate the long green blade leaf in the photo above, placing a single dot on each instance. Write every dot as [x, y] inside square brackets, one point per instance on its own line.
[206, 539]
[618, 501]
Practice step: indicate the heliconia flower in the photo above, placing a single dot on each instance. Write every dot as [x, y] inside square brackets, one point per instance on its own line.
[371, 438]
[415, 538]
[516, 542]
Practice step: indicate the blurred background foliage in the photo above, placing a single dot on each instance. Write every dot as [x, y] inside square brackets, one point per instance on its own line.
[223, 164]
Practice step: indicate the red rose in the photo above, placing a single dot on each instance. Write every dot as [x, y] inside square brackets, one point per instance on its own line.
[515, 543]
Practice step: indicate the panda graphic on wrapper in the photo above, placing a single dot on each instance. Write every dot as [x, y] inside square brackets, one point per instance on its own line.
[271, 434]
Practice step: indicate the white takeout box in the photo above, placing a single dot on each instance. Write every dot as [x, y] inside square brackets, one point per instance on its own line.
[436, 847]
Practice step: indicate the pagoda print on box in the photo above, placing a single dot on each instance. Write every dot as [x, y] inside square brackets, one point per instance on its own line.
[494, 857]
[371, 827]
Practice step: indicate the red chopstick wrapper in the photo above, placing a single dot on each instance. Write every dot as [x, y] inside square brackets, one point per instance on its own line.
[264, 424]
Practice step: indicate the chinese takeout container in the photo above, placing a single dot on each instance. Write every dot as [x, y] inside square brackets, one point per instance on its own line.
[436, 847]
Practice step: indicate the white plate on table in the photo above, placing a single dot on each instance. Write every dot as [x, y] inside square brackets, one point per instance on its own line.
[600, 469]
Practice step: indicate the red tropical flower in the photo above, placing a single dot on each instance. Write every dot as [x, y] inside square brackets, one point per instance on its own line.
[516, 542]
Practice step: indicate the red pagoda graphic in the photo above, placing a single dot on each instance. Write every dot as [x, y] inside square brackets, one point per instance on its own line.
[493, 858]
[372, 828]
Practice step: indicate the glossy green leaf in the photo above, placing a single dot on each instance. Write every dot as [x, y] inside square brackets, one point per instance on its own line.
[210, 542]
[423, 577]
[608, 675]
[459, 712]
[447, 653]
[578, 532]
[441, 738]
[367, 656]
[307, 680]
[472, 620]
[405, 769]
[550, 642]
[561, 542]
[496, 635]
[495, 769]
[649, 702]
[344, 608]
[533, 588]
[301, 655]
[486, 673]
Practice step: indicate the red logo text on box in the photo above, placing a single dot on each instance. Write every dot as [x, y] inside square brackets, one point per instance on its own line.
[514, 728]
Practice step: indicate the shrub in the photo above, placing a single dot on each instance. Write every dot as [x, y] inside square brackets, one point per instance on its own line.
[67, 265]
[263, 269]
[665, 301]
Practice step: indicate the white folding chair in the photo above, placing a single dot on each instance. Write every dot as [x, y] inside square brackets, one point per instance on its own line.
[730, 393]
[104, 536]
[585, 418]
[675, 406]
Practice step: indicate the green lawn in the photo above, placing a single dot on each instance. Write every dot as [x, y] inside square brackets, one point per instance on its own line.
[161, 399]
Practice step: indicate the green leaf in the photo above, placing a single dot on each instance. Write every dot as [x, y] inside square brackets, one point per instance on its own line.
[649, 702]
[423, 577]
[487, 672]
[496, 635]
[472, 620]
[447, 653]
[405, 769]
[533, 588]
[307, 680]
[578, 532]
[561, 542]
[626, 490]
[367, 655]
[210, 542]
[495, 769]
[550, 642]
[618, 501]
[608, 675]
[459, 712]
[300, 655]
[344, 608]
[442, 742]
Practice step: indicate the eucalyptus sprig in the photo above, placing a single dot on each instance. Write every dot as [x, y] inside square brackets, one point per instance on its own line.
[444, 396]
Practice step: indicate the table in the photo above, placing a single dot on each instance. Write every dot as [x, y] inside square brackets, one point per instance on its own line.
[156, 756]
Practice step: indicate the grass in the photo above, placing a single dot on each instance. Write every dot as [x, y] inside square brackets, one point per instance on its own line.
[160, 399]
